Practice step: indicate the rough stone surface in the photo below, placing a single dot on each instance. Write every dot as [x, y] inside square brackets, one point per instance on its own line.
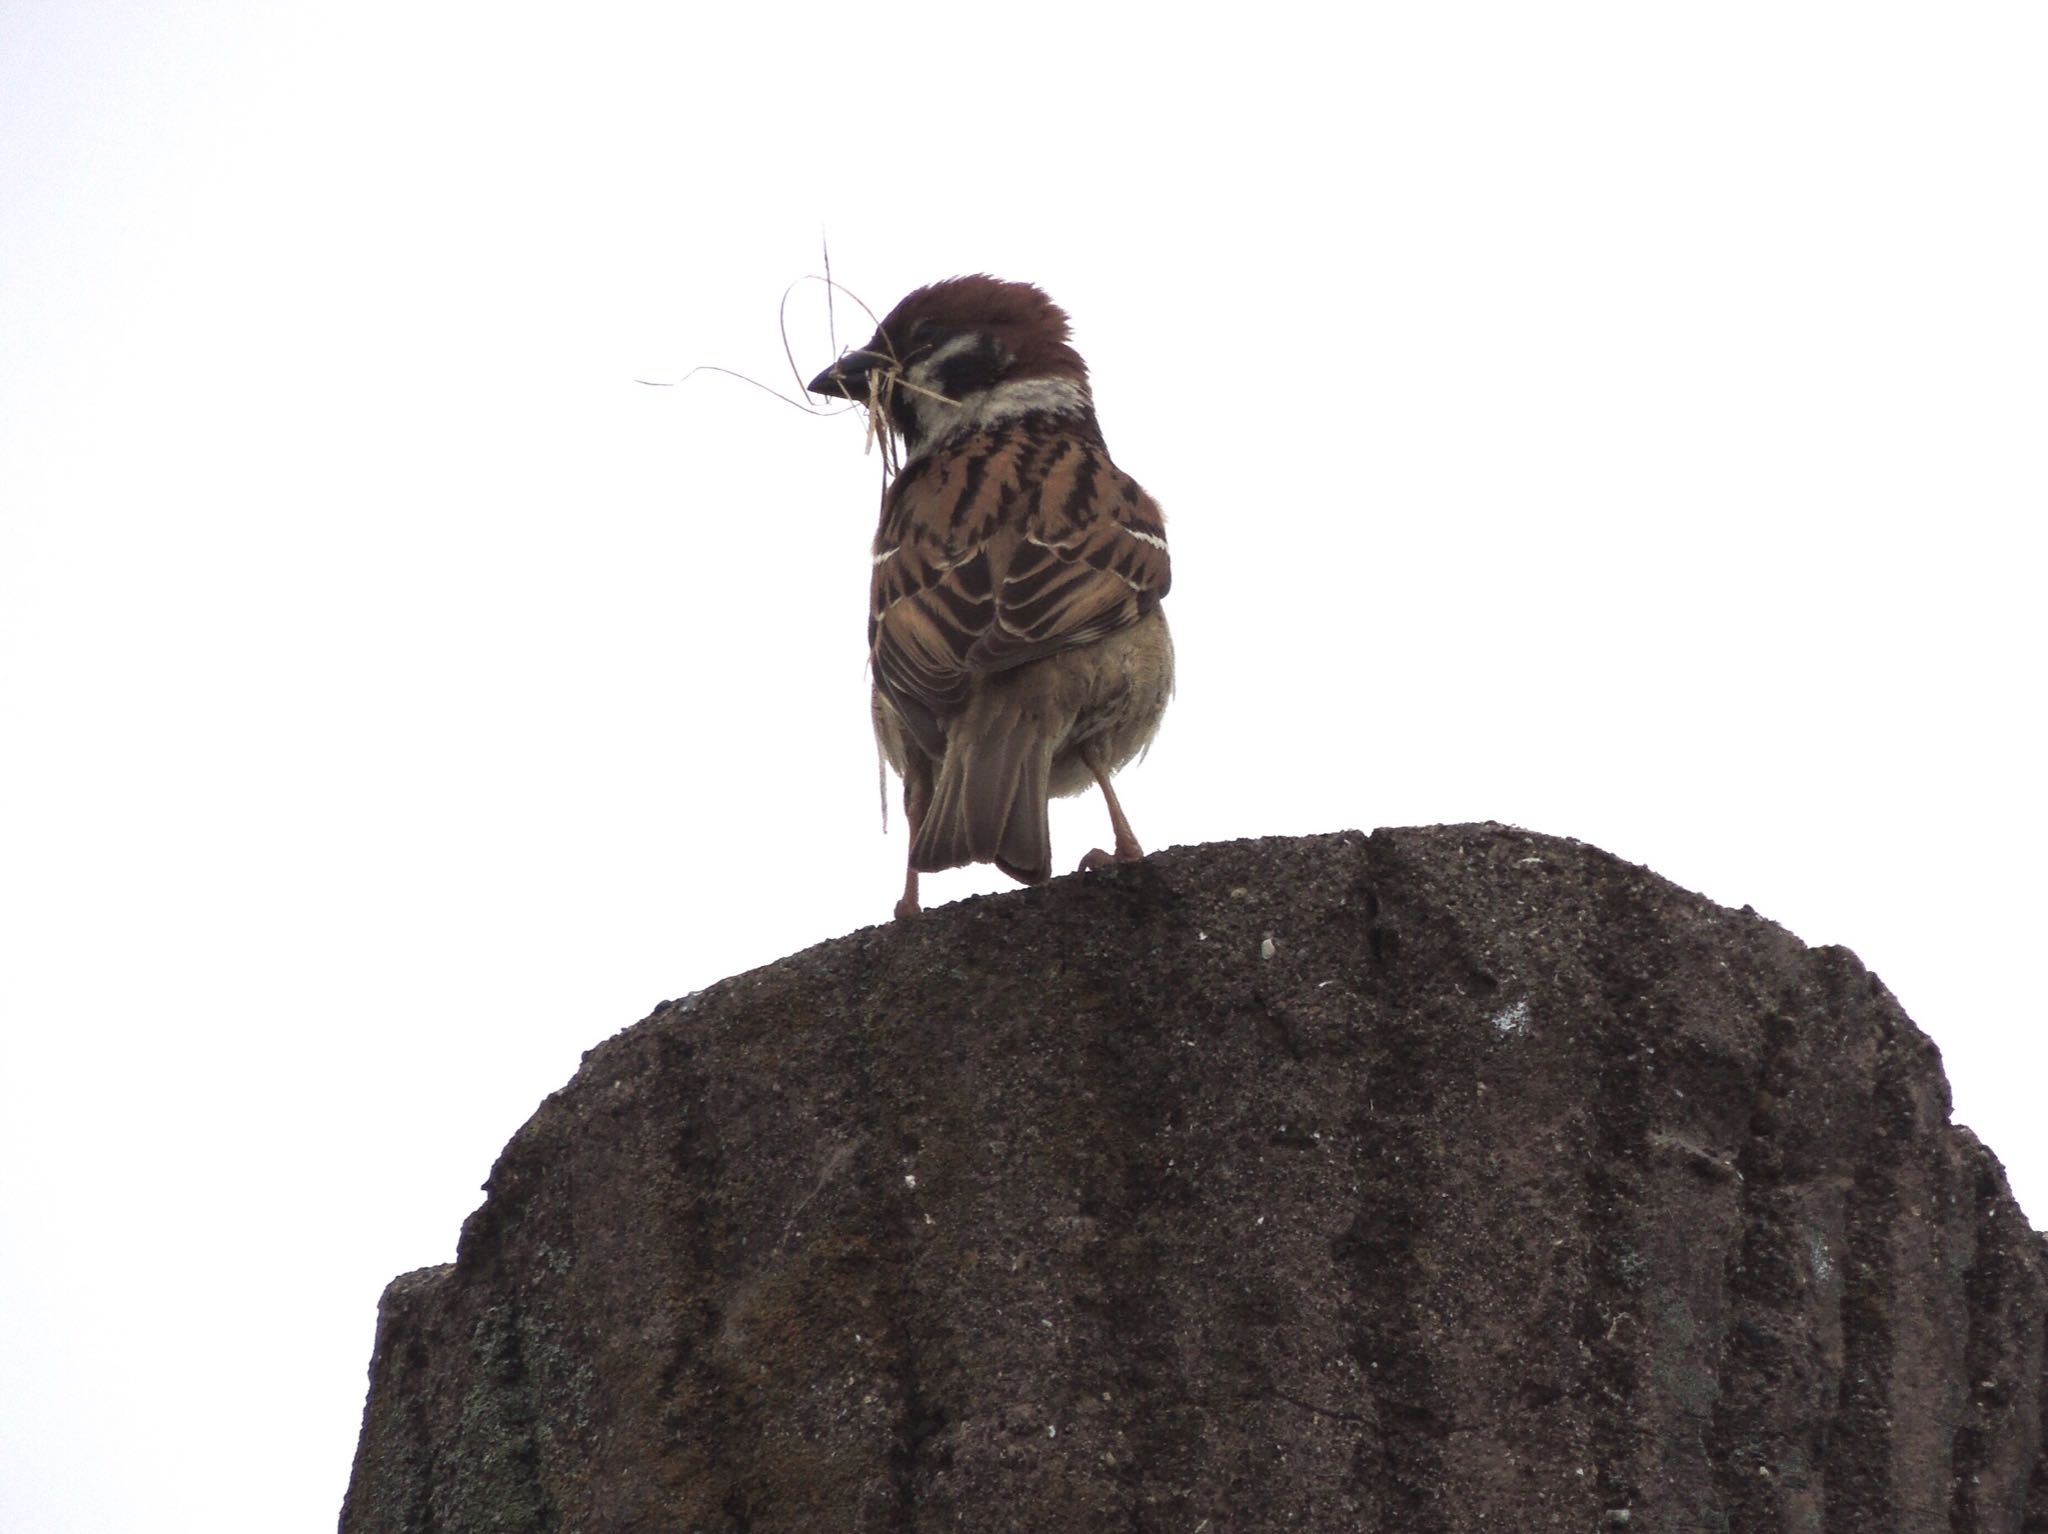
[1442, 1179]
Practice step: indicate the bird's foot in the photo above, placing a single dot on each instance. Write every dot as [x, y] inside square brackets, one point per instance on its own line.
[1126, 852]
[907, 907]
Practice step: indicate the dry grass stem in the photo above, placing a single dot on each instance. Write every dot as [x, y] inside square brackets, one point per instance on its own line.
[880, 380]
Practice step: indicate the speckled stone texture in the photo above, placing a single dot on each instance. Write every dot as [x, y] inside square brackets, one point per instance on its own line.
[1442, 1179]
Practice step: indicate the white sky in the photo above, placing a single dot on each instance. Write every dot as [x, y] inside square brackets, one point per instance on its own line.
[1623, 423]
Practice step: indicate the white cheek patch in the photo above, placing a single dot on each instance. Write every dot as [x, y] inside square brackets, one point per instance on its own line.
[927, 397]
[1027, 396]
[940, 419]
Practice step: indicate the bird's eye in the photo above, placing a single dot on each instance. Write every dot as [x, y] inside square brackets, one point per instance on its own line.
[922, 334]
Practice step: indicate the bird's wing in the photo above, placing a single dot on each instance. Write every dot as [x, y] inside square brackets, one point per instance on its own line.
[931, 595]
[1091, 559]
[996, 553]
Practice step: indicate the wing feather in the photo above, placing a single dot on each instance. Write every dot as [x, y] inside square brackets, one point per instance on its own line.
[1012, 546]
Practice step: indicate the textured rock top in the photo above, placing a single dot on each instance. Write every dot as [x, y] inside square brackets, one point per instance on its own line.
[1442, 1179]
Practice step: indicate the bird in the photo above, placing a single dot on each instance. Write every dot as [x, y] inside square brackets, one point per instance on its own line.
[1015, 636]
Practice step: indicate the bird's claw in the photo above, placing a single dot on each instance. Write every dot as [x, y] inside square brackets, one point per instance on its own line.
[1097, 858]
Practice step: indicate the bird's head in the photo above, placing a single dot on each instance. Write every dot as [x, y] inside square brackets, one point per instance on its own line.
[960, 356]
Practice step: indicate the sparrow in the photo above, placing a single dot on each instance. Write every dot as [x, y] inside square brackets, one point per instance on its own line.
[1014, 630]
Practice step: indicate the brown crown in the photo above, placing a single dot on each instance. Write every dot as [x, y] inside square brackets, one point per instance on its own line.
[1030, 325]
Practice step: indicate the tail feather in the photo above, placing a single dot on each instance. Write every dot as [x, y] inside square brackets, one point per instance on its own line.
[989, 804]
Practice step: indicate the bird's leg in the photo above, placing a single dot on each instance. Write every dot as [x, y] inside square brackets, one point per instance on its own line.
[1127, 848]
[917, 798]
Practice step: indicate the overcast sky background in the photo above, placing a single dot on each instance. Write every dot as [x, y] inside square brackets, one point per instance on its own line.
[1621, 421]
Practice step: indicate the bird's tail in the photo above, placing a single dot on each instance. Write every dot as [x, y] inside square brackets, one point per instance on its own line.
[989, 804]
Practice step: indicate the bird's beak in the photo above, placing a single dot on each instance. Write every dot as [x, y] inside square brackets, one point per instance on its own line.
[845, 379]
